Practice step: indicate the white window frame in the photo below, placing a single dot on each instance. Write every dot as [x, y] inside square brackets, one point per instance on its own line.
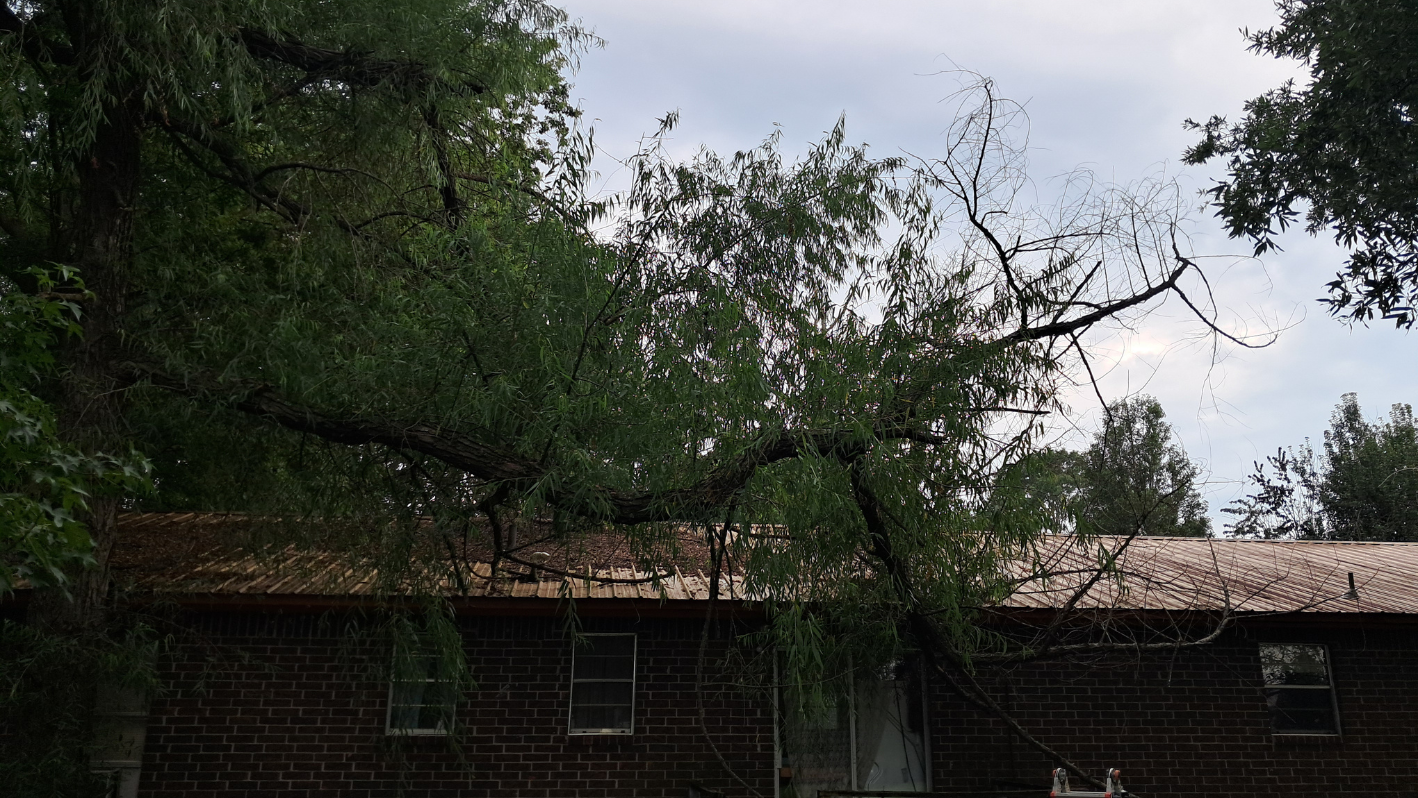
[394, 682]
[1328, 685]
[634, 671]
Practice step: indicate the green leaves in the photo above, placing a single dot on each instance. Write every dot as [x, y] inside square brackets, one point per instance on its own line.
[1343, 149]
[1361, 485]
[1133, 479]
[1136, 477]
[44, 483]
[365, 281]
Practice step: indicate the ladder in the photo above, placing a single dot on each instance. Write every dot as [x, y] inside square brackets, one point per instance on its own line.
[1113, 781]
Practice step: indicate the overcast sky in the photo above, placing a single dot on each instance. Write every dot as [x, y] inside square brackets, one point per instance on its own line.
[1106, 84]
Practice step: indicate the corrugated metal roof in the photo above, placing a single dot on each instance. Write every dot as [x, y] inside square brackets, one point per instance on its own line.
[1242, 575]
[193, 553]
[222, 554]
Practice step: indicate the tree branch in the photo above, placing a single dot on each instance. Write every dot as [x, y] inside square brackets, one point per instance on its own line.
[1021, 657]
[238, 173]
[1061, 328]
[492, 463]
[348, 66]
[38, 49]
[941, 656]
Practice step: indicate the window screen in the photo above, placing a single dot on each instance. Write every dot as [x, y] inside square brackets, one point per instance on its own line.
[1298, 688]
[422, 695]
[603, 684]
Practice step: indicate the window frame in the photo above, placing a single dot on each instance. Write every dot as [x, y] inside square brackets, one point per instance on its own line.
[1338, 729]
[394, 682]
[633, 681]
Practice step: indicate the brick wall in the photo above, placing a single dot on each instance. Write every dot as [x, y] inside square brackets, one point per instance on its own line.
[295, 706]
[1195, 723]
[272, 706]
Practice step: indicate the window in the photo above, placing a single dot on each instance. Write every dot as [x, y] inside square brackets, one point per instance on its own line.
[874, 740]
[890, 730]
[1299, 688]
[603, 684]
[422, 695]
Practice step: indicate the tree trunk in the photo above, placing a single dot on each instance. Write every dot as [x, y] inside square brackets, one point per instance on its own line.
[91, 401]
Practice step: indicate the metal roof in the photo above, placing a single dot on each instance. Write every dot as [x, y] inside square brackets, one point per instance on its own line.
[1255, 576]
[196, 554]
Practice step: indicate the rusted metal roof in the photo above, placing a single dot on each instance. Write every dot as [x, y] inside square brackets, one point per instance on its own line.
[1248, 576]
[223, 554]
[197, 554]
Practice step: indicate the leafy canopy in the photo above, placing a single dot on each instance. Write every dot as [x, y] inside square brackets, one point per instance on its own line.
[1361, 485]
[1133, 479]
[343, 264]
[1342, 149]
[290, 160]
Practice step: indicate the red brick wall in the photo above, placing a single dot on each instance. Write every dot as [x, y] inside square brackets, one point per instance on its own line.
[1195, 723]
[294, 706]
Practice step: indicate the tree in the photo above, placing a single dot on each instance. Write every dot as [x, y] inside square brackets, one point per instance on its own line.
[212, 170]
[1363, 485]
[341, 263]
[1344, 146]
[1134, 478]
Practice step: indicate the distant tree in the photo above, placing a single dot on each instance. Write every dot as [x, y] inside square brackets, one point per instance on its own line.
[1343, 146]
[1363, 485]
[1134, 478]
[1044, 485]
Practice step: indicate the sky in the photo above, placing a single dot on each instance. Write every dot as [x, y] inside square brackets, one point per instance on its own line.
[1107, 85]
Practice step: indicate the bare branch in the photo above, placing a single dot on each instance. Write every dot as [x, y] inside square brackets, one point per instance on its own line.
[1067, 327]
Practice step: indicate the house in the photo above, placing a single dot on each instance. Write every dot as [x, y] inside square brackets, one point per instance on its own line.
[276, 684]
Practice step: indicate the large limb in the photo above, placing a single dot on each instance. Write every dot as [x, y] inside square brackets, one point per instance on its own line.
[941, 657]
[711, 492]
[469, 453]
